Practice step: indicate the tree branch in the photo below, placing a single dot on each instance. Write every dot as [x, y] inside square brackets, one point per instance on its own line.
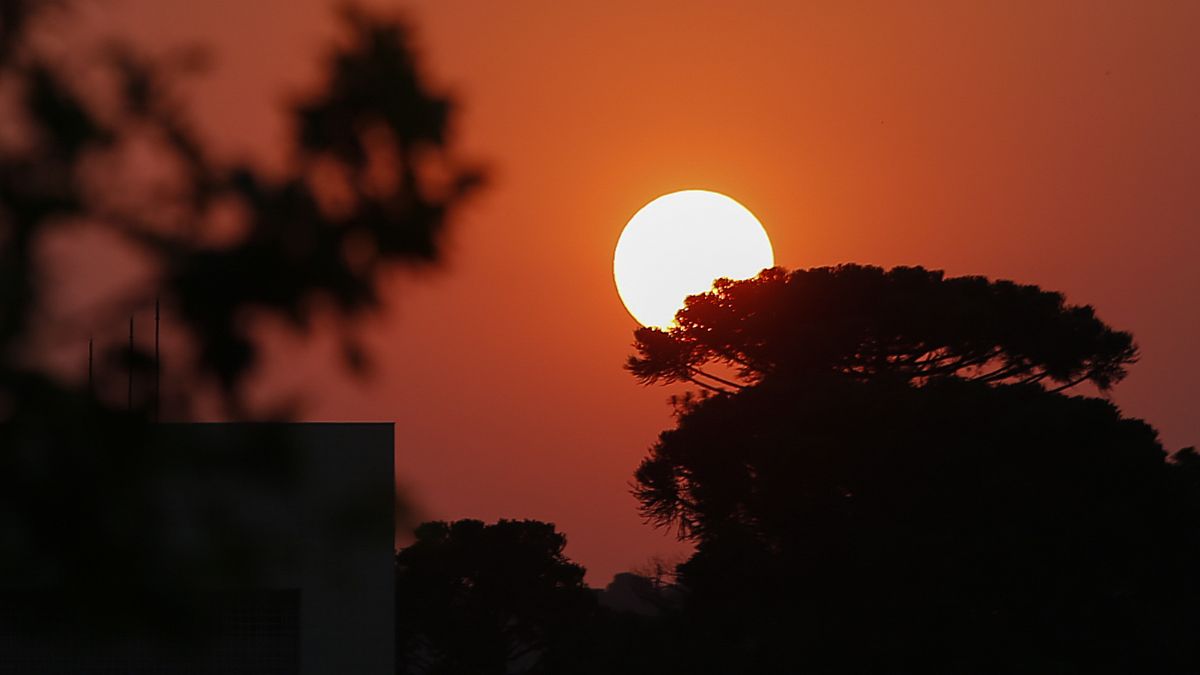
[722, 380]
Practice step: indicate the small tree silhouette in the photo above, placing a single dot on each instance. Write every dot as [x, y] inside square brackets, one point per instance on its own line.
[476, 598]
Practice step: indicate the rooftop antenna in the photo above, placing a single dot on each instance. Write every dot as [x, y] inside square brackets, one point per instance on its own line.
[130, 400]
[157, 363]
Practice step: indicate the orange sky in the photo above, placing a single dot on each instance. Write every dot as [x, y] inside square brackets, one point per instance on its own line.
[1052, 143]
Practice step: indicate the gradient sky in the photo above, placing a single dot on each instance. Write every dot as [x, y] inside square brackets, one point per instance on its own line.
[1051, 143]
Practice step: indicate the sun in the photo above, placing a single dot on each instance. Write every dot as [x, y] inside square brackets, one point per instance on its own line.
[678, 244]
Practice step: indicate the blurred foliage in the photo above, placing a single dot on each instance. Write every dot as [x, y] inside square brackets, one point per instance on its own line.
[370, 183]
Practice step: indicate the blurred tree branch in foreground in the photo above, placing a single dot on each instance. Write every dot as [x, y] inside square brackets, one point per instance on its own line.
[370, 183]
[100, 141]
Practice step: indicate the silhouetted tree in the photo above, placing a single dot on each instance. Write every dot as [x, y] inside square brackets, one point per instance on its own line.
[892, 481]
[906, 323]
[476, 598]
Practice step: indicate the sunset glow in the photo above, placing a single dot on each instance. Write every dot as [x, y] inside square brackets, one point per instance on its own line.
[1052, 144]
[678, 244]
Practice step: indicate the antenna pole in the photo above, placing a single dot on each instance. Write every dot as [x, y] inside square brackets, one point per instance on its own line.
[129, 404]
[91, 376]
[157, 364]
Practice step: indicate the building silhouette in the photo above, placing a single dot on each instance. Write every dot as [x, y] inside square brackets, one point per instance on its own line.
[283, 536]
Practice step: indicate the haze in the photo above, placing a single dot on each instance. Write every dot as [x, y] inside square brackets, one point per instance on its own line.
[900, 135]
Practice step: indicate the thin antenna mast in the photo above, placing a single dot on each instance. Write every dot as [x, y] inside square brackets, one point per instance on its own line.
[157, 364]
[130, 400]
[91, 376]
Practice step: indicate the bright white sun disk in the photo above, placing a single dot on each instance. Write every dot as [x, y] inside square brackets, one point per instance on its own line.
[678, 244]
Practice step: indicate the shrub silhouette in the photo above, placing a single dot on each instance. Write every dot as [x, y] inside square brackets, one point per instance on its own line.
[476, 598]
